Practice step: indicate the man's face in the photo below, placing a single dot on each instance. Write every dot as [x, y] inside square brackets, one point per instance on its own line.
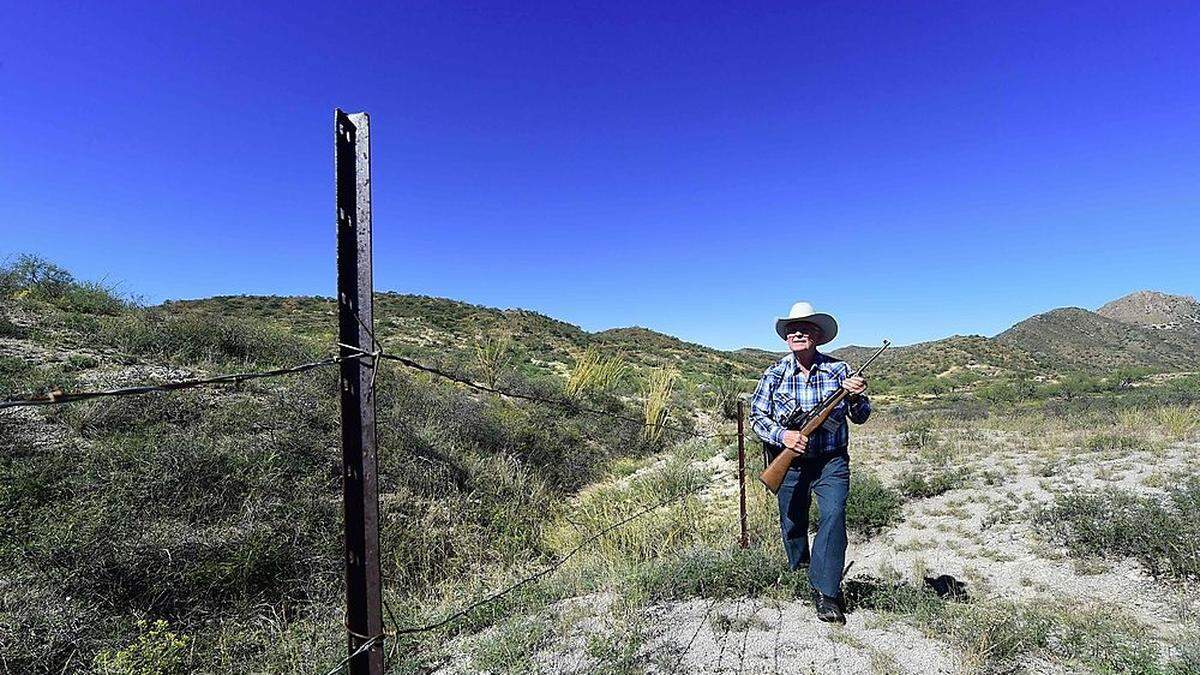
[802, 336]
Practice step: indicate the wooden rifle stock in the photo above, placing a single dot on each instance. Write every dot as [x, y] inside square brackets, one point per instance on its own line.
[774, 474]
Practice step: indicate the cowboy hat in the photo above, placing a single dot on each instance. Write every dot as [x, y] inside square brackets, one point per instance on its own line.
[802, 311]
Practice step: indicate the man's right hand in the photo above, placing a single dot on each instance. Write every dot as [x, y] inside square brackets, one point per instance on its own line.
[795, 441]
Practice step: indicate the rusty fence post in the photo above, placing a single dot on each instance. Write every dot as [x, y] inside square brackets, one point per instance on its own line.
[360, 484]
[744, 540]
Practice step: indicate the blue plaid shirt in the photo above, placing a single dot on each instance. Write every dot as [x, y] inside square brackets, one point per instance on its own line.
[784, 386]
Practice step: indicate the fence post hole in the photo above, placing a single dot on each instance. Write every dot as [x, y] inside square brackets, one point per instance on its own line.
[360, 486]
[744, 540]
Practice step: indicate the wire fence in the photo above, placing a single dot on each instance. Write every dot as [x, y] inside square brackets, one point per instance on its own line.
[374, 357]
[58, 396]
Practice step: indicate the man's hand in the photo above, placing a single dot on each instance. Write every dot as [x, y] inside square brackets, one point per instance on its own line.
[855, 384]
[795, 441]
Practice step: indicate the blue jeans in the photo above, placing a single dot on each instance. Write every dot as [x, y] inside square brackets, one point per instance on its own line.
[829, 478]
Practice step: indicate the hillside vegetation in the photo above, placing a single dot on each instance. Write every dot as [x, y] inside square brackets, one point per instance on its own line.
[199, 531]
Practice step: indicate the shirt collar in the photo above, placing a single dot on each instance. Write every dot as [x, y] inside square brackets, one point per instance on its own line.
[818, 361]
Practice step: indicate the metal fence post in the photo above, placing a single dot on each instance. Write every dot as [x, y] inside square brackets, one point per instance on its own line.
[360, 485]
[744, 540]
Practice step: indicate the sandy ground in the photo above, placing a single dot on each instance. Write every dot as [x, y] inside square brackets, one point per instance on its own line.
[980, 533]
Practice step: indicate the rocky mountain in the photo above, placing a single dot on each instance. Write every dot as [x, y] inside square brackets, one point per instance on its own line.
[1154, 310]
[1091, 342]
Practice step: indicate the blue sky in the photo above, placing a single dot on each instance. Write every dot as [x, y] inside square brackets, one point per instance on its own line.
[918, 169]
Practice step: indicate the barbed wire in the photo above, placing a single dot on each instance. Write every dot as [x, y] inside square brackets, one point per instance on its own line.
[58, 396]
[565, 404]
[377, 353]
[365, 646]
[538, 575]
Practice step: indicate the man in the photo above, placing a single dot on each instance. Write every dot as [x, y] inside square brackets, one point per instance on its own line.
[821, 463]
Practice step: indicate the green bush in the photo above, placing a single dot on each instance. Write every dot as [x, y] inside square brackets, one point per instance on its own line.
[194, 338]
[917, 435]
[1001, 636]
[12, 371]
[19, 379]
[930, 481]
[1115, 523]
[33, 278]
[1116, 441]
[871, 506]
[157, 651]
[9, 329]
[712, 573]
[510, 648]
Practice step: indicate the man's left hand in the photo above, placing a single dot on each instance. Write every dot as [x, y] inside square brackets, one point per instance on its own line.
[855, 385]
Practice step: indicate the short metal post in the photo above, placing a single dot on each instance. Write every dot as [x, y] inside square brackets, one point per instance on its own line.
[360, 484]
[741, 413]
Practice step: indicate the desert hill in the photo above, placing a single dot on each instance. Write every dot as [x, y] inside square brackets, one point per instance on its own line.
[1158, 311]
[1144, 331]
[1091, 342]
[200, 530]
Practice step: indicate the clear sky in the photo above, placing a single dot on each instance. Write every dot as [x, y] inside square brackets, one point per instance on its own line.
[918, 169]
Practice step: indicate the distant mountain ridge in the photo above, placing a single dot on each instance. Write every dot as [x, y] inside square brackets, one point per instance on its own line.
[1147, 330]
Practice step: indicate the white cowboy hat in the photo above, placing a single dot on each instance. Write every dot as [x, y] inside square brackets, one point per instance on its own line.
[802, 311]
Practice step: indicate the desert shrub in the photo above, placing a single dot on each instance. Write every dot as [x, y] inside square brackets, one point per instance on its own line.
[157, 651]
[917, 435]
[1178, 422]
[1124, 442]
[34, 278]
[12, 371]
[1162, 534]
[660, 531]
[930, 481]
[19, 379]
[871, 506]
[726, 390]
[123, 415]
[8, 329]
[509, 648]
[998, 392]
[1073, 385]
[193, 338]
[999, 636]
[77, 362]
[718, 573]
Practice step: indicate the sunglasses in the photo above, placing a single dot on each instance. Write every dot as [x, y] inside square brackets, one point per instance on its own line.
[801, 330]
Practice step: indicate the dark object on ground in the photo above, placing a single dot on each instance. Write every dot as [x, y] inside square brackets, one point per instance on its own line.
[868, 592]
[947, 587]
[827, 608]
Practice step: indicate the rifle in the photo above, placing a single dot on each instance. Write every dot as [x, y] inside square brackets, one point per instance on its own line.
[806, 422]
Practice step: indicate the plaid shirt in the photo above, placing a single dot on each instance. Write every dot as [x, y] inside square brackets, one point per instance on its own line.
[784, 386]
